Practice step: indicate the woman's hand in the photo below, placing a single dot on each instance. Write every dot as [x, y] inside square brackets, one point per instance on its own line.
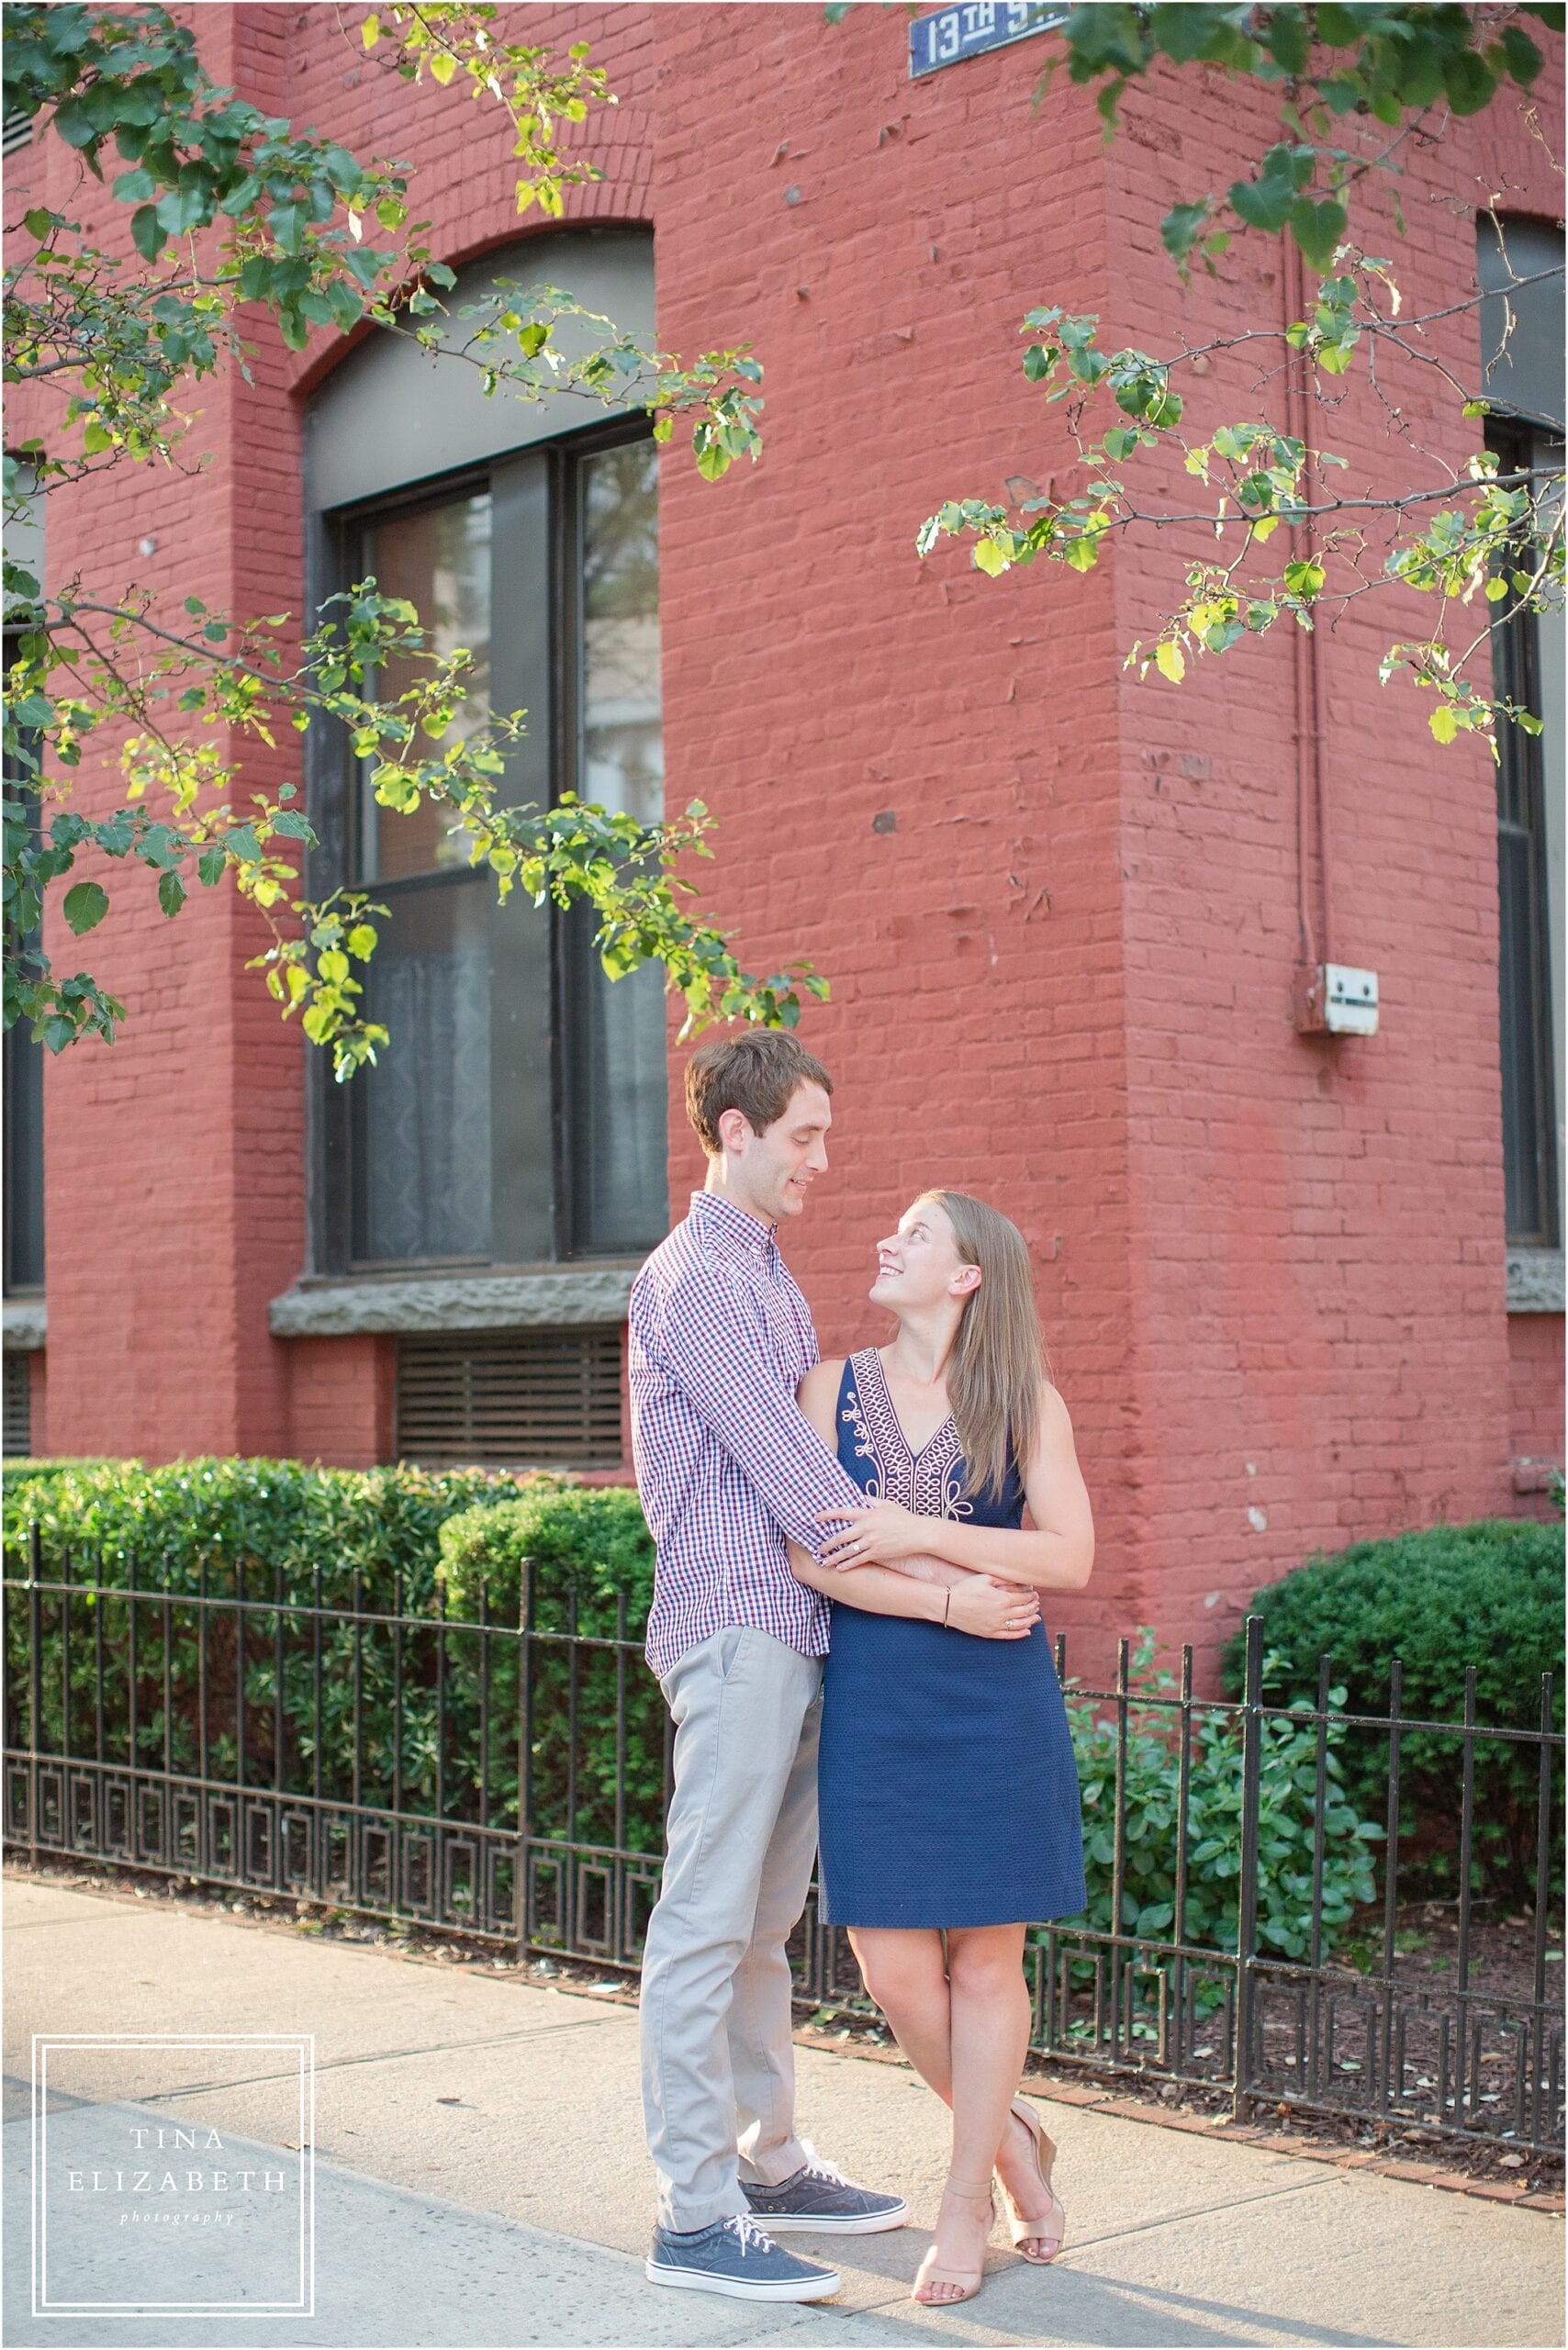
[992, 1610]
[878, 1534]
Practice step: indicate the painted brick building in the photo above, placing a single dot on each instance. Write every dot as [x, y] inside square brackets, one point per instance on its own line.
[1298, 1287]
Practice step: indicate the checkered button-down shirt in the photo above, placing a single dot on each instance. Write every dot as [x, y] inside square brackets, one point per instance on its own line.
[721, 1336]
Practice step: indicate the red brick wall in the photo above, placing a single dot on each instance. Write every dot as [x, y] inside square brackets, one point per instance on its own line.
[1535, 1365]
[342, 1399]
[1271, 1267]
[975, 1030]
[1321, 1347]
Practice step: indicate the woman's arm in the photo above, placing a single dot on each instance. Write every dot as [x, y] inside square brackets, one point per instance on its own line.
[1055, 1554]
[970, 1602]
[922, 1585]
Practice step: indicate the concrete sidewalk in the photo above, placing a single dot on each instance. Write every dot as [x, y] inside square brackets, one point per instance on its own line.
[481, 2177]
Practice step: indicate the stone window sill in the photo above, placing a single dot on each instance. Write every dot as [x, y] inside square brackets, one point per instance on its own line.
[566, 1297]
[1535, 1281]
[26, 1325]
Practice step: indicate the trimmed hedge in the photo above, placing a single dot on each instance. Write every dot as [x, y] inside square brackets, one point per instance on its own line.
[281, 1523]
[23, 1468]
[1487, 1595]
[593, 1574]
[262, 1513]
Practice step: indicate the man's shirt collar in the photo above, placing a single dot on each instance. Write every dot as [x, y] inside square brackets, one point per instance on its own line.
[731, 1230]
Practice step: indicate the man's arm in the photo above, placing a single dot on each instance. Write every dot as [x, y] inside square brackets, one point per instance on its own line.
[711, 1347]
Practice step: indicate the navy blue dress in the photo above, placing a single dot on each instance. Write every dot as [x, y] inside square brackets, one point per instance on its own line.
[948, 1794]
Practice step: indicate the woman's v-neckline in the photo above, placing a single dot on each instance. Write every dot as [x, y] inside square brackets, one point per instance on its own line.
[914, 1457]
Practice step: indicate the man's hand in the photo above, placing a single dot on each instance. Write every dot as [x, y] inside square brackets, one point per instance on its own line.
[878, 1534]
[992, 1610]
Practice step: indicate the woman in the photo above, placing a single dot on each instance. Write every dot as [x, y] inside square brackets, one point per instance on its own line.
[948, 1796]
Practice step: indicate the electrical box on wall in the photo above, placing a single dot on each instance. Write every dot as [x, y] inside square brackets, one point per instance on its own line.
[1334, 999]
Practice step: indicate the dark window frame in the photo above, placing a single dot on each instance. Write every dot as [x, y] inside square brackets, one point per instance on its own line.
[25, 1224]
[1527, 1075]
[337, 812]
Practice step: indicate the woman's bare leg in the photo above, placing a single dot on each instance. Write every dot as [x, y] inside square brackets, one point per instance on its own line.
[990, 2012]
[971, 2020]
[904, 1972]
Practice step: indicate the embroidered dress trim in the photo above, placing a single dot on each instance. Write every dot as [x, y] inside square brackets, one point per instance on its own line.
[930, 1481]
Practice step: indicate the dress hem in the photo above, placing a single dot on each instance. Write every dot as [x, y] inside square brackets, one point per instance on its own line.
[1041, 1916]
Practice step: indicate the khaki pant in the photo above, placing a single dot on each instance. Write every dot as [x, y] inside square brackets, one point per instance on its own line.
[718, 2059]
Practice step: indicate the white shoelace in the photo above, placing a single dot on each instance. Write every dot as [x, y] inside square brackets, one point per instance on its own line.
[818, 2165]
[747, 2234]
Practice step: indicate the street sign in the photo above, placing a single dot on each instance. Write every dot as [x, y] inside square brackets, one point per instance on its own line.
[973, 27]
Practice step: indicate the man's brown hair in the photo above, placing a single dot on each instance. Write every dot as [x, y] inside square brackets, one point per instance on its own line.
[755, 1074]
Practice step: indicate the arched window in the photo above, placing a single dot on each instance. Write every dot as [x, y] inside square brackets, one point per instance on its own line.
[518, 1117]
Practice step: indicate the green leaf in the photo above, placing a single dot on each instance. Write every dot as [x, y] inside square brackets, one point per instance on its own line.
[75, 125]
[148, 233]
[1264, 203]
[1469, 82]
[183, 209]
[990, 558]
[1524, 59]
[1317, 229]
[1181, 228]
[170, 892]
[38, 223]
[85, 906]
[1443, 723]
[1170, 663]
[135, 188]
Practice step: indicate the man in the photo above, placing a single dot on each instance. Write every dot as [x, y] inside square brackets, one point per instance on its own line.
[726, 1466]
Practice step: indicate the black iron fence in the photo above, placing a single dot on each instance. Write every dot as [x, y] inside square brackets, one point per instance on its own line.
[1251, 1928]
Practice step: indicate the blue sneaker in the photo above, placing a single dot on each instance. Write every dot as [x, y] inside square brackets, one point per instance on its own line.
[734, 2257]
[819, 2197]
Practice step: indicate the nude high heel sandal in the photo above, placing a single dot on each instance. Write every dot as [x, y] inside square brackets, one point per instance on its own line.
[967, 2280]
[1020, 2229]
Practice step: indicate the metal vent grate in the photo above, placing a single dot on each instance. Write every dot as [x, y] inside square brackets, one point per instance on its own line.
[16, 132]
[18, 1418]
[536, 1399]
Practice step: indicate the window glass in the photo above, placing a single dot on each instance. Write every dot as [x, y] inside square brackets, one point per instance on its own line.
[623, 739]
[615, 1080]
[421, 1150]
[438, 557]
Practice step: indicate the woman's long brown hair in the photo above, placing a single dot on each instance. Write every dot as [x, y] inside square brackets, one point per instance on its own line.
[998, 1358]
